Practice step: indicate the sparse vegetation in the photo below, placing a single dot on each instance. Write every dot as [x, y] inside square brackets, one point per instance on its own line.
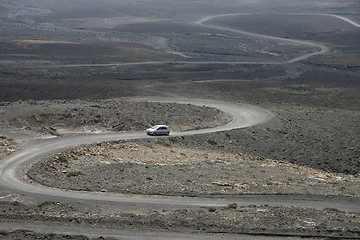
[46, 203]
[212, 142]
[63, 159]
[173, 139]
[4, 233]
[75, 174]
[163, 142]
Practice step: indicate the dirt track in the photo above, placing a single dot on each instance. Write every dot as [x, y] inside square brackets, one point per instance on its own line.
[314, 134]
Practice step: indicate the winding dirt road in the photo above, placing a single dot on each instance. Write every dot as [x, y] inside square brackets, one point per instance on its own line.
[204, 22]
[323, 49]
[242, 116]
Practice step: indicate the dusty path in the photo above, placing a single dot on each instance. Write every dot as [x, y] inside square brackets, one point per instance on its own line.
[323, 49]
[243, 116]
[342, 18]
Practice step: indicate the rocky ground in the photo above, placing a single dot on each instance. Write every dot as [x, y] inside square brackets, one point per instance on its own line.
[58, 117]
[30, 235]
[232, 219]
[7, 146]
[159, 167]
[309, 149]
[185, 166]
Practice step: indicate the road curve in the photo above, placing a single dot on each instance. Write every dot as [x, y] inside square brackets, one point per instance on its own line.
[202, 22]
[355, 24]
[323, 49]
[243, 116]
